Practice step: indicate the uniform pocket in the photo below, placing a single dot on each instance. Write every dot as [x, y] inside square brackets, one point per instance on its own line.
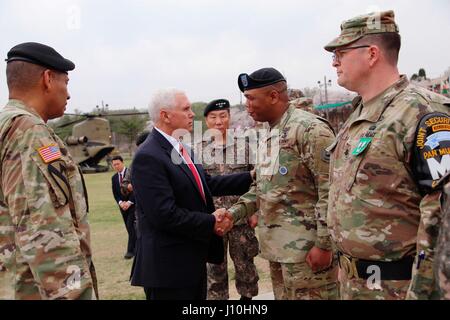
[330, 149]
[353, 171]
[375, 174]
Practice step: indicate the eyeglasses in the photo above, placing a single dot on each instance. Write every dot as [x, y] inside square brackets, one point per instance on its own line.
[336, 58]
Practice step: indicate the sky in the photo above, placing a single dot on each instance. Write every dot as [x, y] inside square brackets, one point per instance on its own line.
[125, 50]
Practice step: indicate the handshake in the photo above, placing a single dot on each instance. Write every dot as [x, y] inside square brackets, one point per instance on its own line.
[224, 221]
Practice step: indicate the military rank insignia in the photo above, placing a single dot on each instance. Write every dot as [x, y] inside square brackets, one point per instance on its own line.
[49, 153]
[431, 156]
[364, 141]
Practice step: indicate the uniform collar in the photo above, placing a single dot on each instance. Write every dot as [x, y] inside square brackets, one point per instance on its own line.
[287, 114]
[274, 131]
[20, 105]
[372, 110]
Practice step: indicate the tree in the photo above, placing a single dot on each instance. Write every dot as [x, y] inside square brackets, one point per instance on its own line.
[310, 92]
[422, 73]
[63, 132]
[198, 108]
[130, 127]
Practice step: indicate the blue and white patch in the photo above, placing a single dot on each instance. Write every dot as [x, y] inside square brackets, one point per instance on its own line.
[434, 140]
[283, 171]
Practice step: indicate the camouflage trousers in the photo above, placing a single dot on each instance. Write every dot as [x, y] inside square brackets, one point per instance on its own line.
[442, 253]
[361, 289]
[243, 247]
[296, 281]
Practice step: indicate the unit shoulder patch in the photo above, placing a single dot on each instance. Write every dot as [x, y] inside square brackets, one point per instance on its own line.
[431, 156]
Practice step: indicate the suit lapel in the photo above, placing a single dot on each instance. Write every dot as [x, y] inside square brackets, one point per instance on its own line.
[168, 148]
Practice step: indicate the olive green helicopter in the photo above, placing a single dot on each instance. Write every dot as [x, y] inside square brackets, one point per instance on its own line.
[91, 140]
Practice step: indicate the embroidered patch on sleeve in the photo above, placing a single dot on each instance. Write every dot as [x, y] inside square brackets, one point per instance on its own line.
[49, 153]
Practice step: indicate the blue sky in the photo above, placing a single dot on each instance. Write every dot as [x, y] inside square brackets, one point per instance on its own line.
[124, 50]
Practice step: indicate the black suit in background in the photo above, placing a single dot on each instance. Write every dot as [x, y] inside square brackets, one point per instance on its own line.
[128, 216]
[176, 225]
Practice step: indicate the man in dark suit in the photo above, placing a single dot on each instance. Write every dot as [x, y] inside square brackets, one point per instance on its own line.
[180, 230]
[126, 204]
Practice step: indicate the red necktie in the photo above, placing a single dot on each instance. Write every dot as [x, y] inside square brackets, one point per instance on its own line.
[120, 178]
[191, 166]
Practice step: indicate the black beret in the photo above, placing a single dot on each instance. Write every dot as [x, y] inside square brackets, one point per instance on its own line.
[260, 78]
[40, 54]
[219, 104]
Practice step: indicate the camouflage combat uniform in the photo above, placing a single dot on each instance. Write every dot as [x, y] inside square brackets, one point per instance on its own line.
[376, 210]
[44, 234]
[241, 239]
[442, 260]
[291, 193]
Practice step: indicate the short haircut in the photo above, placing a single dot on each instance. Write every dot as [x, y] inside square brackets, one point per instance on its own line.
[21, 75]
[163, 98]
[117, 158]
[390, 44]
[282, 89]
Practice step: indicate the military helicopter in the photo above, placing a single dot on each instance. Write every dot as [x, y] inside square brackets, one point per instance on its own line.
[91, 139]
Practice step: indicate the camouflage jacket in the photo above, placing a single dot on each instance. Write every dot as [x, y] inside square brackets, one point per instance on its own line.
[44, 234]
[376, 211]
[442, 261]
[291, 188]
[225, 159]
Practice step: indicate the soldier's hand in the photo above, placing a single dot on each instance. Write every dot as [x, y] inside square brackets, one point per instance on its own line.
[253, 221]
[224, 221]
[319, 259]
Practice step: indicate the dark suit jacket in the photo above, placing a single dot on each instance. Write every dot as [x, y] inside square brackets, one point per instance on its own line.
[176, 225]
[118, 194]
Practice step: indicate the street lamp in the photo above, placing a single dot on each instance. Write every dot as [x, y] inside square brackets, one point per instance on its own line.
[103, 107]
[325, 84]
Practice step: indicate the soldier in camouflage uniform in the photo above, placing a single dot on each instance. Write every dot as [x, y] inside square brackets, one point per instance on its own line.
[226, 155]
[384, 201]
[44, 234]
[442, 261]
[291, 191]
[305, 104]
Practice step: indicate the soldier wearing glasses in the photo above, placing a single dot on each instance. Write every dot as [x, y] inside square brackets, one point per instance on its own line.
[384, 210]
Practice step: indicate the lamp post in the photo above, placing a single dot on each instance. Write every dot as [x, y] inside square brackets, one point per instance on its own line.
[104, 106]
[325, 84]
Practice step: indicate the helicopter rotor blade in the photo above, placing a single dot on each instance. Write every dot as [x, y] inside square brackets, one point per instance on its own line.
[73, 114]
[124, 114]
[70, 123]
[93, 115]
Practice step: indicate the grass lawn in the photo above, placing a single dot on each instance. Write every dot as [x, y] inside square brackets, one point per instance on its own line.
[108, 237]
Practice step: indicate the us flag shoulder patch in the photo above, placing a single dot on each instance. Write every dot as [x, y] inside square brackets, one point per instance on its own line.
[49, 153]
